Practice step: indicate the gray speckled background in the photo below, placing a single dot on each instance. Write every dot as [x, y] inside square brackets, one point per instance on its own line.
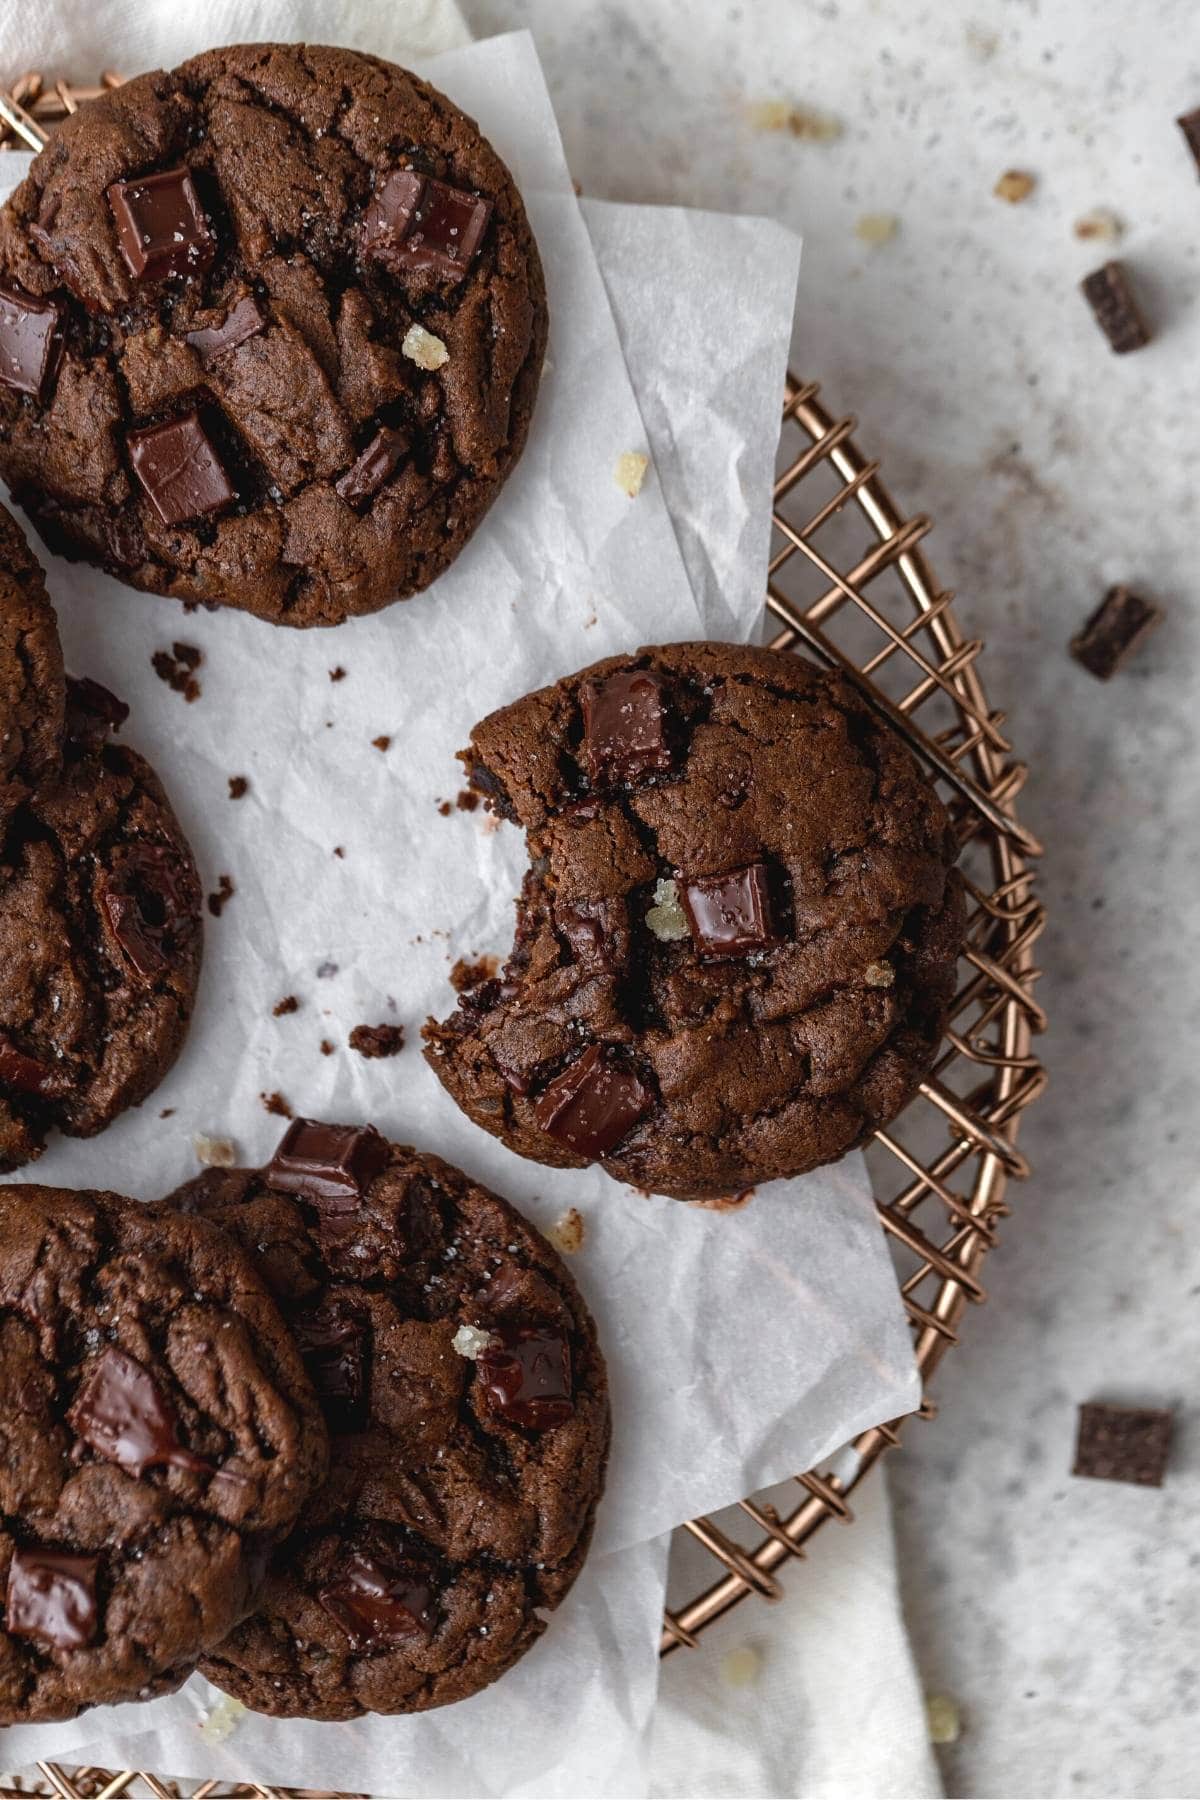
[1063, 1615]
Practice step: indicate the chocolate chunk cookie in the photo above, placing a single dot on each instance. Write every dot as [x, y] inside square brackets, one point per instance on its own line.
[460, 1375]
[158, 1434]
[271, 330]
[32, 692]
[736, 944]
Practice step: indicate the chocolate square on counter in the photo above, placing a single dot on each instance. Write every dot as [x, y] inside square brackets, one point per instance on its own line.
[593, 1104]
[331, 1166]
[161, 227]
[415, 222]
[731, 915]
[30, 342]
[625, 725]
[1119, 625]
[51, 1598]
[1108, 293]
[1123, 1443]
[179, 469]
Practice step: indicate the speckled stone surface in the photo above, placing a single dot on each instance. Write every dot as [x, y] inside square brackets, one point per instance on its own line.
[1061, 1614]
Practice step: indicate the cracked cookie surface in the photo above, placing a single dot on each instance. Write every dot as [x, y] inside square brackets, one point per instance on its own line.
[737, 940]
[467, 1397]
[279, 321]
[32, 688]
[158, 1435]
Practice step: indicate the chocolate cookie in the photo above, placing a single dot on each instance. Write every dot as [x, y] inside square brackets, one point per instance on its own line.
[32, 693]
[460, 1374]
[100, 938]
[158, 1434]
[271, 330]
[736, 944]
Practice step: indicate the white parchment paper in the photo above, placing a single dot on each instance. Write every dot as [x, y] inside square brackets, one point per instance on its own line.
[741, 1346]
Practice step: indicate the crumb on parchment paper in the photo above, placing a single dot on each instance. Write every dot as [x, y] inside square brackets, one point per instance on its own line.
[876, 228]
[238, 785]
[630, 472]
[808, 123]
[276, 1104]
[945, 1724]
[289, 1004]
[1014, 186]
[567, 1232]
[1101, 225]
[224, 891]
[214, 1152]
[374, 1041]
[740, 1666]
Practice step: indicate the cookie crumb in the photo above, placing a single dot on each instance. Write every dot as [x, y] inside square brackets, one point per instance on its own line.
[1189, 124]
[1101, 224]
[224, 891]
[726, 1202]
[666, 918]
[876, 228]
[214, 1152]
[879, 975]
[326, 1047]
[223, 1720]
[740, 1666]
[470, 1340]
[238, 785]
[374, 1041]
[338, 674]
[325, 970]
[338, 851]
[807, 123]
[566, 1234]
[176, 665]
[467, 800]
[1119, 626]
[421, 347]
[289, 1004]
[275, 1103]
[445, 808]
[630, 472]
[467, 974]
[1014, 186]
[382, 742]
[945, 1725]
[168, 1112]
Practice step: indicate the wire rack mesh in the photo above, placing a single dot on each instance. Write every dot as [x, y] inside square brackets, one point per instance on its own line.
[850, 586]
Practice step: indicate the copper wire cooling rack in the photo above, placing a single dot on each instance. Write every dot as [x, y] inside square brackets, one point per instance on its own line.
[850, 586]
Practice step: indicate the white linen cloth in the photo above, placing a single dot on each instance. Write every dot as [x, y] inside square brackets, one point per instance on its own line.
[690, 1753]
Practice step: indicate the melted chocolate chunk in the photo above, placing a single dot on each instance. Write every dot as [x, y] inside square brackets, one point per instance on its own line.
[145, 898]
[374, 1605]
[731, 915]
[597, 932]
[123, 1414]
[593, 1104]
[161, 227]
[625, 726]
[93, 713]
[26, 1074]
[31, 342]
[179, 469]
[243, 321]
[333, 1343]
[526, 1375]
[415, 223]
[331, 1166]
[52, 1598]
[1108, 293]
[378, 462]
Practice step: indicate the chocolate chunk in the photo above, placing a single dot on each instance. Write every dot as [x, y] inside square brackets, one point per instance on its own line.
[731, 915]
[415, 222]
[243, 321]
[123, 1414]
[179, 469]
[31, 342]
[593, 1104]
[52, 1598]
[1123, 1443]
[597, 932]
[374, 1605]
[145, 897]
[377, 1040]
[93, 713]
[333, 1343]
[378, 461]
[1119, 625]
[161, 227]
[26, 1074]
[1189, 124]
[331, 1166]
[1108, 293]
[526, 1375]
[625, 726]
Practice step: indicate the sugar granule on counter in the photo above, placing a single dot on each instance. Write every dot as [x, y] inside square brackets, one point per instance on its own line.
[942, 1716]
[630, 472]
[876, 228]
[421, 347]
[740, 1666]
